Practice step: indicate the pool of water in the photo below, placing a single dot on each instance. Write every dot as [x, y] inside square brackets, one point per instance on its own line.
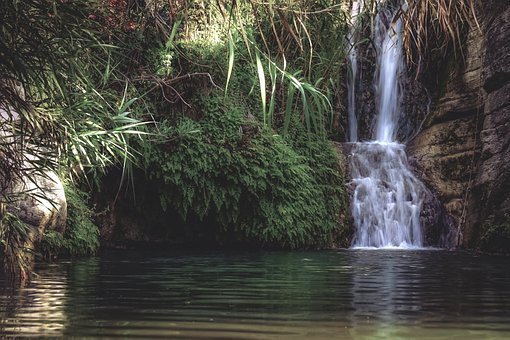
[352, 294]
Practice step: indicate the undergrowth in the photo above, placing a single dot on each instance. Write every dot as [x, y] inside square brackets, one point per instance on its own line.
[496, 237]
[14, 243]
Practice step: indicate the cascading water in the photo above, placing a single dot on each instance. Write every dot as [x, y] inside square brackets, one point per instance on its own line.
[387, 197]
[352, 72]
[388, 42]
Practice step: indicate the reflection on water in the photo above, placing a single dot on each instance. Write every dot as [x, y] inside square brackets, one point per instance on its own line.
[38, 309]
[347, 294]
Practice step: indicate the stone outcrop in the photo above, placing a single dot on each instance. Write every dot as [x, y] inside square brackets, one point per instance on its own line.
[39, 201]
[35, 197]
[463, 149]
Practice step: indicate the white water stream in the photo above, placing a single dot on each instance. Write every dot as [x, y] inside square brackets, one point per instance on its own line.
[387, 197]
[352, 71]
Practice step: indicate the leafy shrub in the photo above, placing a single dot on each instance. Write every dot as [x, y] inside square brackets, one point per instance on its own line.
[81, 235]
[249, 180]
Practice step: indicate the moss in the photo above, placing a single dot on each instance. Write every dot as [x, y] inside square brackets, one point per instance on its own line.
[81, 236]
[496, 237]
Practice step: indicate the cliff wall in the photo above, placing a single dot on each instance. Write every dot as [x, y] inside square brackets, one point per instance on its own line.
[463, 148]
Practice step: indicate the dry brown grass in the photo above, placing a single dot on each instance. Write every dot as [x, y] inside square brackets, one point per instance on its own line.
[435, 27]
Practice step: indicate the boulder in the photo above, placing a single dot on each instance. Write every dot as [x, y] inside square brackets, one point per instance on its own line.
[39, 201]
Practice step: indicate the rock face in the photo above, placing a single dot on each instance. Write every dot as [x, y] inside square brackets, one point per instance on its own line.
[463, 150]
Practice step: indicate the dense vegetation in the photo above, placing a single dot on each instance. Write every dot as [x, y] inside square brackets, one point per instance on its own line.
[228, 106]
[225, 104]
[266, 187]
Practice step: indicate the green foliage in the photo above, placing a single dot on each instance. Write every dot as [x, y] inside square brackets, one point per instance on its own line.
[162, 59]
[60, 89]
[323, 160]
[64, 101]
[496, 237]
[81, 236]
[92, 73]
[303, 72]
[14, 238]
[249, 180]
[238, 45]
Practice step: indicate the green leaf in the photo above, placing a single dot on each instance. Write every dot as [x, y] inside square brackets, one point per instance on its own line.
[231, 55]
[262, 84]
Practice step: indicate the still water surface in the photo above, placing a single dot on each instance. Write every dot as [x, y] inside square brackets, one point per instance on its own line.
[355, 294]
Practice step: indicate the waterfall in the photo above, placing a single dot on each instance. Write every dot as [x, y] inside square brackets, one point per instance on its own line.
[387, 197]
[388, 42]
[352, 71]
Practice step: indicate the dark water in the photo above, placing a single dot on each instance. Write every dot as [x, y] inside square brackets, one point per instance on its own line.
[347, 294]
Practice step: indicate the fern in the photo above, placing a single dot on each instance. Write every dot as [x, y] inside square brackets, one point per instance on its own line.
[275, 191]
